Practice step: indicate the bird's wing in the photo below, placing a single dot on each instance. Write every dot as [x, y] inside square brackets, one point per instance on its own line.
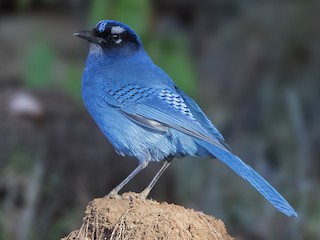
[201, 117]
[159, 109]
[197, 112]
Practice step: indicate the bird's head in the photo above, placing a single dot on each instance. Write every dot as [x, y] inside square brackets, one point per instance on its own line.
[111, 35]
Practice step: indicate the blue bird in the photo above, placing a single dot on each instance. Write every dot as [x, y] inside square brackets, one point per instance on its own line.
[145, 115]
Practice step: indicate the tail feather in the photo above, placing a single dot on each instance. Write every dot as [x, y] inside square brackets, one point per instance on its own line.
[250, 175]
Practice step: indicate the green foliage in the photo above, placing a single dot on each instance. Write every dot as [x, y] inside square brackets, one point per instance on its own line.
[21, 161]
[72, 82]
[134, 13]
[98, 11]
[171, 54]
[40, 62]
[40, 59]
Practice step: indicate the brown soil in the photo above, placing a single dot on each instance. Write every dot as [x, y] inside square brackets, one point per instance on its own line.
[130, 217]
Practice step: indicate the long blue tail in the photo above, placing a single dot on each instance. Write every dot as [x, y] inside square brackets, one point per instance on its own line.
[247, 173]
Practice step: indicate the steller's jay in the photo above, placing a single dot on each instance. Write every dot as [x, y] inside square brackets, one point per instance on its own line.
[145, 115]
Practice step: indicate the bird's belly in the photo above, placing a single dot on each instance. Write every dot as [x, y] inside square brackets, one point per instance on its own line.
[132, 139]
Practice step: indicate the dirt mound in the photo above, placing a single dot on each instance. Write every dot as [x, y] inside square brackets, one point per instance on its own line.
[130, 217]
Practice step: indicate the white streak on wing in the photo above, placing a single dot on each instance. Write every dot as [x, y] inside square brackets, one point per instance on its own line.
[183, 105]
[176, 101]
[117, 30]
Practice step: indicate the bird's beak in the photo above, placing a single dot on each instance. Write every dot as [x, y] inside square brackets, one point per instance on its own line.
[87, 35]
[90, 37]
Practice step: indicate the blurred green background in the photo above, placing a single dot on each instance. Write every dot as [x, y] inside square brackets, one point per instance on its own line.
[252, 66]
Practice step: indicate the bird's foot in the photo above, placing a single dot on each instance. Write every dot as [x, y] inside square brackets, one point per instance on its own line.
[113, 195]
[144, 194]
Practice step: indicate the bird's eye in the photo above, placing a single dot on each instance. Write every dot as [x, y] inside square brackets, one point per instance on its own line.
[116, 38]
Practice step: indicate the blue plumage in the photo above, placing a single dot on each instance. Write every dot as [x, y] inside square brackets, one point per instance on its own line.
[144, 115]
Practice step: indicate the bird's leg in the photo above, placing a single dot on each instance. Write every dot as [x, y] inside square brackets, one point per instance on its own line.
[144, 194]
[114, 192]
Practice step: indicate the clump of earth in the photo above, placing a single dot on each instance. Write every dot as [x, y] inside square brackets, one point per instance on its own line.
[129, 217]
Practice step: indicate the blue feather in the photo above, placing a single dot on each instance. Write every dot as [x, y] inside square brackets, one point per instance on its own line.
[247, 173]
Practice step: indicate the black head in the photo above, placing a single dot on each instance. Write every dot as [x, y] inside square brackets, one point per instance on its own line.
[111, 34]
